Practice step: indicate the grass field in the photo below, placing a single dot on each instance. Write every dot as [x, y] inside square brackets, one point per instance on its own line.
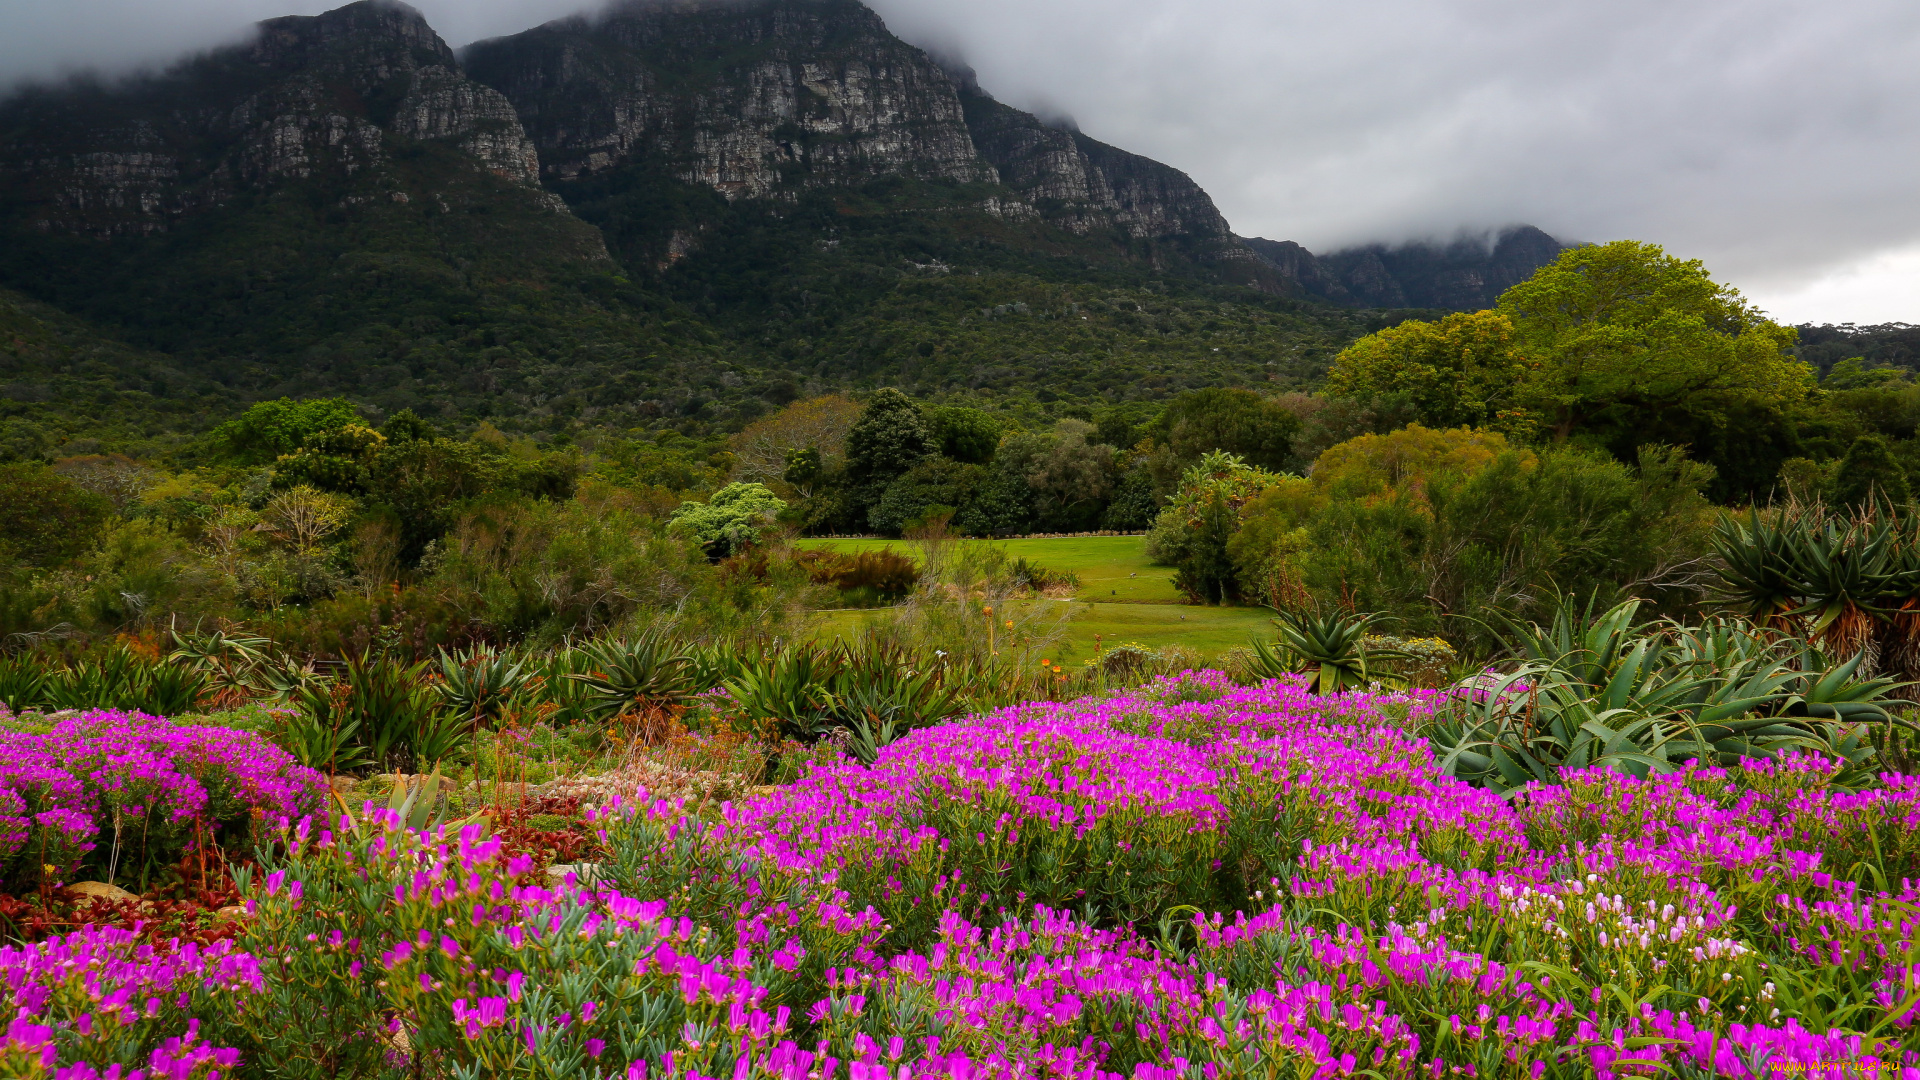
[1127, 598]
[1111, 568]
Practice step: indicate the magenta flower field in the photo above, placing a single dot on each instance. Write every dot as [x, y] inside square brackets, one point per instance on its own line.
[1190, 880]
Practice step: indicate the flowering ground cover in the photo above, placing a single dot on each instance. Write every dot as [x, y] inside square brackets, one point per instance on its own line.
[1191, 880]
[124, 793]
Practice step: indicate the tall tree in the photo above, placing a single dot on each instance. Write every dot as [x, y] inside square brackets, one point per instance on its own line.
[762, 450]
[1238, 422]
[889, 438]
[1462, 371]
[1869, 473]
[1629, 337]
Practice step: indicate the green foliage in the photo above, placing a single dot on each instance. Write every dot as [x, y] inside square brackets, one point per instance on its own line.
[1844, 581]
[889, 438]
[273, 428]
[731, 520]
[480, 685]
[875, 693]
[933, 488]
[1462, 371]
[965, 435]
[1606, 691]
[1626, 336]
[1869, 474]
[1195, 531]
[1504, 534]
[378, 712]
[47, 519]
[1238, 422]
[646, 672]
[1331, 648]
[110, 677]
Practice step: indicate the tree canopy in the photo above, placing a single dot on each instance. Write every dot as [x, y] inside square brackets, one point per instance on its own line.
[1461, 371]
[1624, 334]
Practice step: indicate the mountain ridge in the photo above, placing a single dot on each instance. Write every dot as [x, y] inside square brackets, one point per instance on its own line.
[1464, 274]
[681, 214]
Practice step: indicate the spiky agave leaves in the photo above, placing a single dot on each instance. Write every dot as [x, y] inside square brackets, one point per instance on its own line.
[1330, 649]
[1646, 698]
[1850, 583]
[640, 674]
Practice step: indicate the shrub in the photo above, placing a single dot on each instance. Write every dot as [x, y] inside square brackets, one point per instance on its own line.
[125, 794]
[734, 518]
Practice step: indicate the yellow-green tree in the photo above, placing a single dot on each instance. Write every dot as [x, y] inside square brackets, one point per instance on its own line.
[1624, 334]
[1461, 371]
[1403, 462]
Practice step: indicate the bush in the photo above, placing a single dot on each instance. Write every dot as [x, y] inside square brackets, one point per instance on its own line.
[124, 795]
[730, 521]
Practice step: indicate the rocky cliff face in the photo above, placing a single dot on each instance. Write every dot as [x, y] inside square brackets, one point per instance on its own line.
[309, 95]
[1083, 184]
[769, 97]
[1466, 275]
[745, 99]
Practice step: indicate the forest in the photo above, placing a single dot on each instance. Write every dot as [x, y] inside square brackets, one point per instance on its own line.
[1584, 438]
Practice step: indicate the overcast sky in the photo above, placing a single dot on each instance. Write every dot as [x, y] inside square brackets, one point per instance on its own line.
[1778, 141]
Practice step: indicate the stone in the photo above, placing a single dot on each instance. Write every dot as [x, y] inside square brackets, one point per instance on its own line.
[100, 890]
[584, 873]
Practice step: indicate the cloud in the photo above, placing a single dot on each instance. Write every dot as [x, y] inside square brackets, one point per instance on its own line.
[1778, 140]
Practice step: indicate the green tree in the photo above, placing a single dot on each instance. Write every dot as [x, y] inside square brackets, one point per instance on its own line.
[1868, 473]
[407, 425]
[963, 434]
[935, 485]
[733, 519]
[48, 519]
[889, 438]
[424, 481]
[272, 428]
[1074, 479]
[1462, 371]
[1240, 422]
[1627, 338]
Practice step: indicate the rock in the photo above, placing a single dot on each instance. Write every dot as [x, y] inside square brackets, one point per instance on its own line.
[100, 890]
[756, 99]
[585, 873]
[230, 913]
[308, 96]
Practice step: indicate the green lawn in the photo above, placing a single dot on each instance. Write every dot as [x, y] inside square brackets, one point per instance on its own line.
[1111, 568]
[1212, 630]
[1128, 598]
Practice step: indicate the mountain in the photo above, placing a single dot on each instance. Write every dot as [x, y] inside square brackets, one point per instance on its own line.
[678, 214]
[332, 207]
[307, 97]
[775, 99]
[1465, 275]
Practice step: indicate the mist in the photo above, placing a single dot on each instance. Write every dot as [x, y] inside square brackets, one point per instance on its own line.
[1779, 142]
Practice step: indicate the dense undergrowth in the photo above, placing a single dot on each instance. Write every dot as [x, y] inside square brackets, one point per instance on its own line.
[1192, 878]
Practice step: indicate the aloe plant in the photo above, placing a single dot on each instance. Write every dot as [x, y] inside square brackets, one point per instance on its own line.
[395, 718]
[1329, 648]
[418, 803]
[117, 678]
[804, 692]
[634, 674]
[1605, 690]
[481, 685]
[1850, 583]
